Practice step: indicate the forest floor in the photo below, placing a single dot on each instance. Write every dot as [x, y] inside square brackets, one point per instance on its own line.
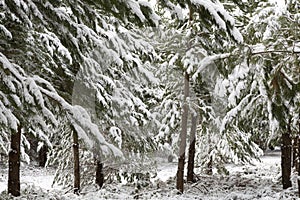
[260, 180]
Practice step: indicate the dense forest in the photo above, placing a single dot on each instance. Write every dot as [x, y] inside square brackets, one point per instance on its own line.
[98, 90]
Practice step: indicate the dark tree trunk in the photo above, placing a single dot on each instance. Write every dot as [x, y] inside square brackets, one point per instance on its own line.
[295, 151]
[190, 172]
[286, 161]
[14, 164]
[99, 173]
[209, 167]
[180, 174]
[76, 163]
[298, 163]
[298, 160]
[43, 156]
[180, 171]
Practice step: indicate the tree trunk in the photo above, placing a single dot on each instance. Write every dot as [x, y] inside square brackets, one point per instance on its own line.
[43, 156]
[298, 163]
[76, 163]
[294, 152]
[14, 164]
[286, 161]
[190, 172]
[180, 171]
[99, 173]
[209, 167]
[298, 160]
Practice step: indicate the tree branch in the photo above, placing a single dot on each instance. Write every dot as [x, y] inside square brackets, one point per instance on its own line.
[275, 51]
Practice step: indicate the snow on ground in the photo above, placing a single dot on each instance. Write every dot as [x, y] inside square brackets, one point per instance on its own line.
[261, 180]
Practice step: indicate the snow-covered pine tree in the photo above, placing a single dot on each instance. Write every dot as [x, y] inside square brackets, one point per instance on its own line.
[278, 56]
[109, 61]
[269, 89]
[204, 19]
[283, 76]
[44, 45]
[118, 74]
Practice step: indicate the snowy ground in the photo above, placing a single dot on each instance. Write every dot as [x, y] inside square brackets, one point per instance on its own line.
[261, 180]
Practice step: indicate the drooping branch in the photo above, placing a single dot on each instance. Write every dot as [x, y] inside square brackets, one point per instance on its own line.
[275, 51]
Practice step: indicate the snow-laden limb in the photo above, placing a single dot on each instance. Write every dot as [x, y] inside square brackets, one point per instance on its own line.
[213, 9]
[7, 118]
[153, 16]
[260, 49]
[136, 8]
[237, 146]
[16, 71]
[24, 145]
[80, 120]
[239, 104]
[236, 34]
[6, 32]
[4, 143]
[45, 139]
[174, 9]
[221, 17]
[233, 113]
[54, 45]
[205, 62]
[35, 90]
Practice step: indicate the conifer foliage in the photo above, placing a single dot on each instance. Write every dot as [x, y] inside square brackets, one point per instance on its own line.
[110, 82]
[203, 17]
[43, 46]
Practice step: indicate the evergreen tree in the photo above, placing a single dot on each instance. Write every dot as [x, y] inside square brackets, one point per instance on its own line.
[203, 17]
[270, 78]
[44, 46]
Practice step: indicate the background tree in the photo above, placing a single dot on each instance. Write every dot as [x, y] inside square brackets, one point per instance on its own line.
[205, 14]
[270, 79]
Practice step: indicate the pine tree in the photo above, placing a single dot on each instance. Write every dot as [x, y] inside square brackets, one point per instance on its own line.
[191, 156]
[36, 32]
[14, 164]
[109, 64]
[205, 15]
[271, 78]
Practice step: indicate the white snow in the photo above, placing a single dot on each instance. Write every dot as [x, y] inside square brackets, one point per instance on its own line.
[116, 133]
[280, 6]
[53, 44]
[175, 10]
[237, 35]
[7, 33]
[135, 8]
[213, 10]
[258, 180]
[153, 16]
[221, 16]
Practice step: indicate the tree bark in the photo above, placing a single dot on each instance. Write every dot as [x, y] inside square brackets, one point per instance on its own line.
[99, 173]
[209, 170]
[286, 161]
[209, 167]
[180, 171]
[294, 152]
[43, 156]
[14, 164]
[190, 172]
[298, 162]
[76, 163]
